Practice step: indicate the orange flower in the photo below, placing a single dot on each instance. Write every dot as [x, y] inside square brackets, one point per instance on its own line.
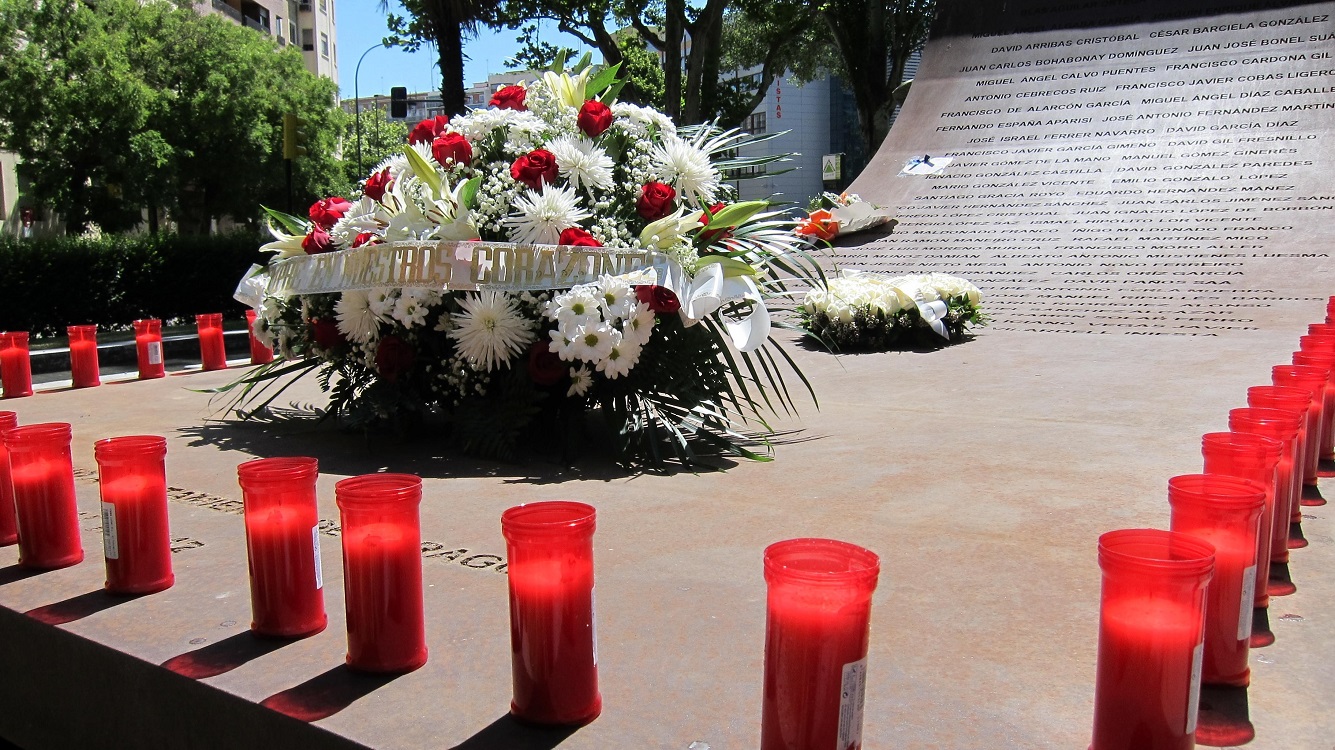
[820, 224]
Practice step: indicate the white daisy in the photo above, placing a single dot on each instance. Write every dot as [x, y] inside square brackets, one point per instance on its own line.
[687, 168]
[640, 324]
[618, 298]
[575, 308]
[382, 299]
[540, 217]
[581, 162]
[411, 309]
[580, 381]
[593, 343]
[624, 355]
[561, 345]
[356, 320]
[490, 330]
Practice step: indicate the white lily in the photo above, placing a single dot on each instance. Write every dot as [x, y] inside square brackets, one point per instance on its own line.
[568, 90]
[670, 231]
[286, 245]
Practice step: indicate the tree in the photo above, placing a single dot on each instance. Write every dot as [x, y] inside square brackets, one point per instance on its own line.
[875, 39]
[119, 106]
[444, 23]
[381, 139]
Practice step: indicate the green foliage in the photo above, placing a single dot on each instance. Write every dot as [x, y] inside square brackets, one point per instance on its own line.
[118, 106]
[111, 281]
[381, 138]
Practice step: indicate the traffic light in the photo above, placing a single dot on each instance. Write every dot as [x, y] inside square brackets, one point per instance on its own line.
[398, 103]
[294, 136]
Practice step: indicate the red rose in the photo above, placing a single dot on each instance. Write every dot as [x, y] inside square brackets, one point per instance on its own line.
[594, 118]
[534, 168]
[329, 210]
[655, 201]
[711, 233]
[578, 238]
[510, 97]
[429, 129]
[452, 146]
[544, 367]
[660, 299]
[318, 241]
[326, 334]
[376, 185]
[394, 357]
[363, 239]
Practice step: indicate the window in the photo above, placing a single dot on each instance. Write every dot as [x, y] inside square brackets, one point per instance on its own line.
[324, 45]
[308, 40]
[755, 124]
[292, 31]
[278, 27]
[324, 6]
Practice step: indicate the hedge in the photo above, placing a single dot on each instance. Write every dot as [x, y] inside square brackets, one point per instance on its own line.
[49, 283]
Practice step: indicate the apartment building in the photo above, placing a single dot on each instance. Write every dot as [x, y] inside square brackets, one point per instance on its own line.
[306, 24]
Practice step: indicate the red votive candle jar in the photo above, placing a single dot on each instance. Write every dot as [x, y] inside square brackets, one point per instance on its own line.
[1324, 360]
[1226, 512]
[1313, 380]
[283, 546]
[148, 346]
[44, 502]
[259, 353]
[212, 352]
[382, 571]
[83, 356]
[818, 613]
[1253, 451]
[1322, 329]
[15, 365]
[9, 530]
[136, 539]
[553, 628]
[1151, 631]
[1297, 402]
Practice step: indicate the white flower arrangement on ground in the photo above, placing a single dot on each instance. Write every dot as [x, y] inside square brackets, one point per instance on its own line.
[868, 311]
[558, 162]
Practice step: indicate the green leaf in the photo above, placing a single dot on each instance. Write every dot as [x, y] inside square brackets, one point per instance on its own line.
[424, 171]
[731, 266]
[605, 78]
[290, 224]
[468, 193]
[737, 214]
[559, 64]
[583, 63]
[610, 95]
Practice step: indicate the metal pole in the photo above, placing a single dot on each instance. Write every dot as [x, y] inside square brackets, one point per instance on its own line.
[357, 104]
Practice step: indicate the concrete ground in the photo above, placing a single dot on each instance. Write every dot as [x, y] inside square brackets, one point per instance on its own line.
[982, 474]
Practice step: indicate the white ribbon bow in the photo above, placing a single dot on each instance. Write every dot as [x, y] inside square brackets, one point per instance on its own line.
[710, 290]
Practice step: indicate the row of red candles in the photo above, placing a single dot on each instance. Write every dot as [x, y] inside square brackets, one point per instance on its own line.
[819, 599]
[16, 364]
[1177, 607]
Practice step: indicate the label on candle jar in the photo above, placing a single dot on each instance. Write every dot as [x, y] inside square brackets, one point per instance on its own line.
[110, 547]
[155, 352]
[1246, 603]
[852, 692]
[593, 606]
[1194, 702]
[315, 544]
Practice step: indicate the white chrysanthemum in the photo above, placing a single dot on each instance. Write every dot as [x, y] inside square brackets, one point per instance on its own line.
[640, 324]
[687, 168]
[490, 330]
[361, 217]
[382, 299]
[580, 381]
[580, 161]
[618, 298]
[540, 217]
[624, 355]
[410, 309]
[356, 320]
[593, 343]
[575, 308]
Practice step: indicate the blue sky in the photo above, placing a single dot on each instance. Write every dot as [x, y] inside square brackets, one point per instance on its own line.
[360, 25]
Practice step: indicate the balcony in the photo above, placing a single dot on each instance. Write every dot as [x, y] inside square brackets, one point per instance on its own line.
[227, 10]
[258, 25]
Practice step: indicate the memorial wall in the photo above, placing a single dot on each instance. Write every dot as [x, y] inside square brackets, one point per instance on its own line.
[1117, 167]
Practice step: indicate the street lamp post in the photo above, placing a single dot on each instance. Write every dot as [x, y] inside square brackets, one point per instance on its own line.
[357, 103]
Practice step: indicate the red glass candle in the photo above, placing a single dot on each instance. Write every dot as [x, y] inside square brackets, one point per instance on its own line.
[136, 539]
[283, 546]
[259, 353]
[44, 502]
[83, 356]
[212, 352]
[1330, 310]
[1325, 360]
[9, 530]
[1297, 402]
[382, 571]
[1226, 512]
[15, 365]
[1321, 329]
[818, 613]
[1151, 631]
[148, 346]
[553, 627]
[1253, 451]
[1313, 380]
